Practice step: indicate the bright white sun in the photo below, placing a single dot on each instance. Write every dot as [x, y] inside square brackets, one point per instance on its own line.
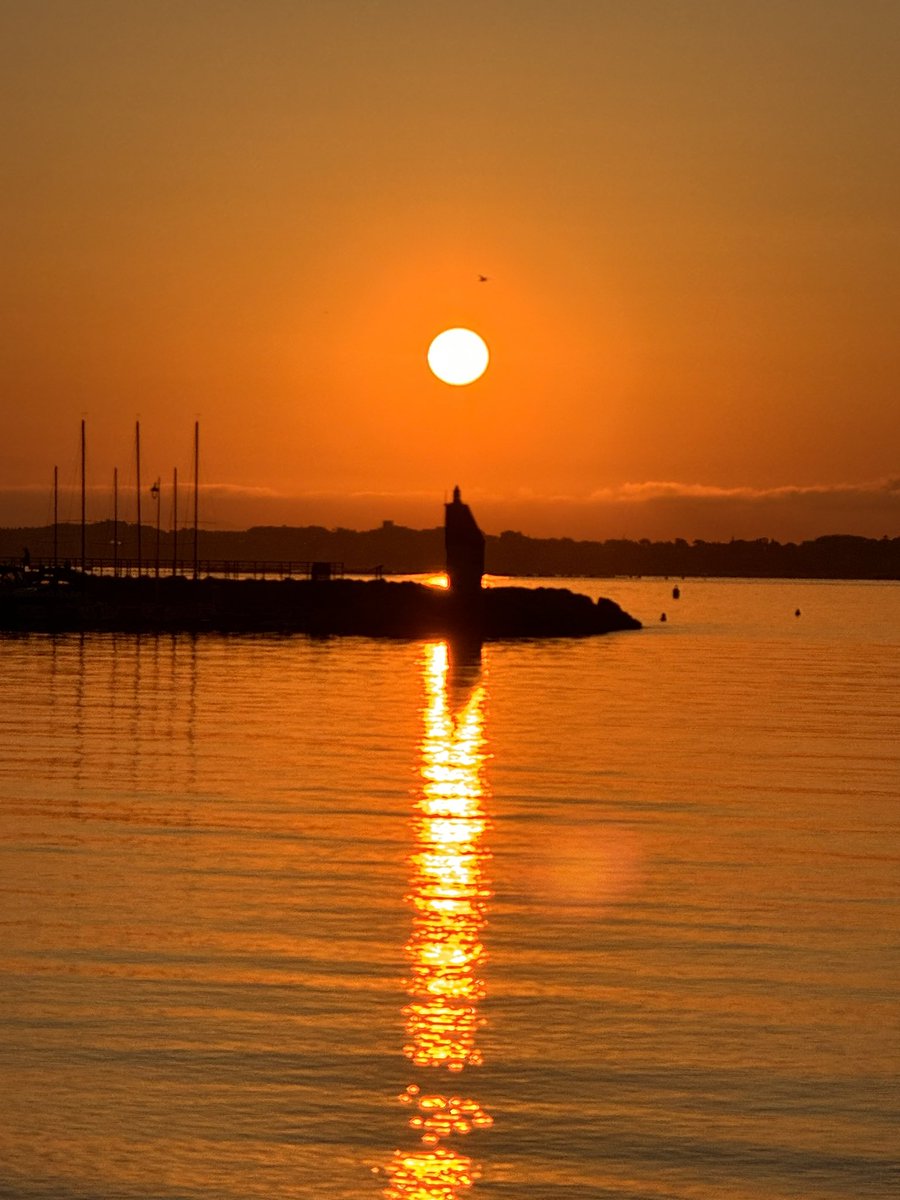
[458, 356]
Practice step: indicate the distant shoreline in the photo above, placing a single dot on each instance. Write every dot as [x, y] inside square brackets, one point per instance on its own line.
[397, 550]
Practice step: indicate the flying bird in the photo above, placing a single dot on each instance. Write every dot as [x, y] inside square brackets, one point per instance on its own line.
[483, 278]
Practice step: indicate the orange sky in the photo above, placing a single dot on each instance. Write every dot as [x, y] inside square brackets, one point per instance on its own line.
[259, 215]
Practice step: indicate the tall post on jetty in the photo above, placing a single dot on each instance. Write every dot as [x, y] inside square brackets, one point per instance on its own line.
[196, 494]
[55, 517]
[137, 455]
[83, 506]
[115, 521]
[464, 547]
[174, 521]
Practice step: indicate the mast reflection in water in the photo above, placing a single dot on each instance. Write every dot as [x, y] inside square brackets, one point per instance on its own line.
[448, 895]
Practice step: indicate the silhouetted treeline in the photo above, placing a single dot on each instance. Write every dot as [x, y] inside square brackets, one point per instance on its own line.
[399, 550]
[831, 557]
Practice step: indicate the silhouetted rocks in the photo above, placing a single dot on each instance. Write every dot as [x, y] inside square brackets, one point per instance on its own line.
[377, 608]
[548, 612]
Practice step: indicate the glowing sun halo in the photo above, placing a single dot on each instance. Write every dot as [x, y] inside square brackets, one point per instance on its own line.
[458, 356]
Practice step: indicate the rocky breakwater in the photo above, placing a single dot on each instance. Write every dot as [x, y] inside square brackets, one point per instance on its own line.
[376, 608]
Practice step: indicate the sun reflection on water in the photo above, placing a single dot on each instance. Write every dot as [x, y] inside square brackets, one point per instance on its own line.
[448, 896]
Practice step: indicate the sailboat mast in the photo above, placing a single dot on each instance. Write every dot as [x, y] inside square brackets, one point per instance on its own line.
[115, 520]
[155, 492]
[196, 493]
[174, 521]
[83, 498]
[55, 517]
[137, 455]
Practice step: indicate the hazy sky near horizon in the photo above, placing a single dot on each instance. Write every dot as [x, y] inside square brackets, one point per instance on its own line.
[258, 215]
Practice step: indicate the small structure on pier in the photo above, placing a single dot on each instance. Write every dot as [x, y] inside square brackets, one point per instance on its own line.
[464, 547]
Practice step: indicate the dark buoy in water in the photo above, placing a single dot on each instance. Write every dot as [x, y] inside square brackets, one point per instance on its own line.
[676, 592]
[796, 612]
[662, 616]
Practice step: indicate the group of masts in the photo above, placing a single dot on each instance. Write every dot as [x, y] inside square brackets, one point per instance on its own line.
[155, 491]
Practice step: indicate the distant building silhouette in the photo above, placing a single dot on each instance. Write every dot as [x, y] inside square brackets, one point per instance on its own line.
[464, 546]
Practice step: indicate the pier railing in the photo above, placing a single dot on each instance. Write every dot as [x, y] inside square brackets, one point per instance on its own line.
[219, 568]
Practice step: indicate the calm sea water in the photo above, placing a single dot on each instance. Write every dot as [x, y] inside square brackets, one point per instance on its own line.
[614, 918]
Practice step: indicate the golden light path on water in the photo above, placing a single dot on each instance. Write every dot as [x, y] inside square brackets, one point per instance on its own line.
[448, 895]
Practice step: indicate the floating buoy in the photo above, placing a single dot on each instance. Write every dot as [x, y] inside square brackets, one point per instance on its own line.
[662, 616]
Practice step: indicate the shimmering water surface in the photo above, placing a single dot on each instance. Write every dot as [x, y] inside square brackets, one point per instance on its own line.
[603, 918]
